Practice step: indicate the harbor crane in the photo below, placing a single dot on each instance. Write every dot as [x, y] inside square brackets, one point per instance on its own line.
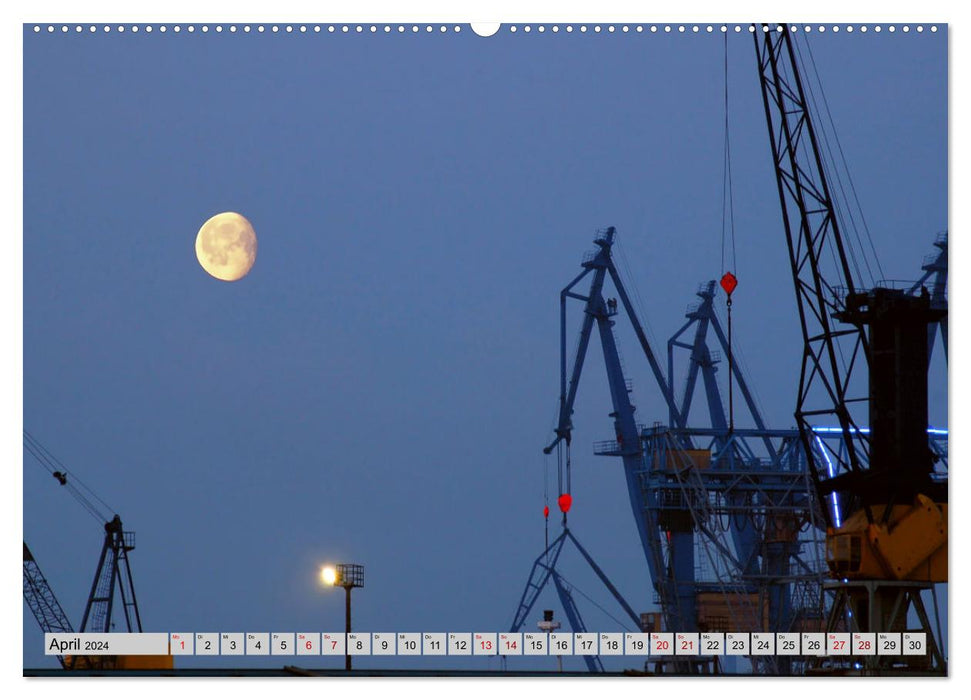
[726, 528]
[886, 541]
[732, 520]
[113, 580]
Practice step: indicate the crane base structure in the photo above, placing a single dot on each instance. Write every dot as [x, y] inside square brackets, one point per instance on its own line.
[887, 606]
[544, 570]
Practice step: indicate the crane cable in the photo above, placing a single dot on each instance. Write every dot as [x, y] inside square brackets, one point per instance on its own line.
[728, 206]
[572, 587]
[546, 506]
[728, 280]
[52, 464]
[566, 497]
[846, 169]
[546, 488]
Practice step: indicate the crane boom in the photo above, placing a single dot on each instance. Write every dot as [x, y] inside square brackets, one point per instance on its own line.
[671, 579]
[845, 330]
[820, 270]
[41, 599]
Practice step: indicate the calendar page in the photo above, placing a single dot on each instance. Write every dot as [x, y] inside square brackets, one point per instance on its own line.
[552, 345]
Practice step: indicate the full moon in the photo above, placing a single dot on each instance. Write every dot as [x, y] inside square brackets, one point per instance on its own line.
[226, 246]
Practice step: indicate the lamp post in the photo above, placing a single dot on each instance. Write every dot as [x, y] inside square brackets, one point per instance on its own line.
[347, 576]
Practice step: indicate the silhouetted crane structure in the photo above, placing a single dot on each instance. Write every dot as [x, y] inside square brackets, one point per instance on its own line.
[42, 602]
[934, 268]
[728, 529]
[728, 517]
[887, 534]
[113, 581]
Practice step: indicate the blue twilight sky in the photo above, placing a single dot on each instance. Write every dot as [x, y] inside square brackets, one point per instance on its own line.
[380, 386]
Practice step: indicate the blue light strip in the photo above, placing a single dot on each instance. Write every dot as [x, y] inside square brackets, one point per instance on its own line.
[839, 430]
[832, 473]
[829, 464]
[866, 431]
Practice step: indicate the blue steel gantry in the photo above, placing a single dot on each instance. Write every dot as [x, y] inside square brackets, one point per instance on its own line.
[703, 502]
[727, 517]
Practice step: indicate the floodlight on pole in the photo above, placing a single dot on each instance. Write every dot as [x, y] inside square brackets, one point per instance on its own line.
[348, 577]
